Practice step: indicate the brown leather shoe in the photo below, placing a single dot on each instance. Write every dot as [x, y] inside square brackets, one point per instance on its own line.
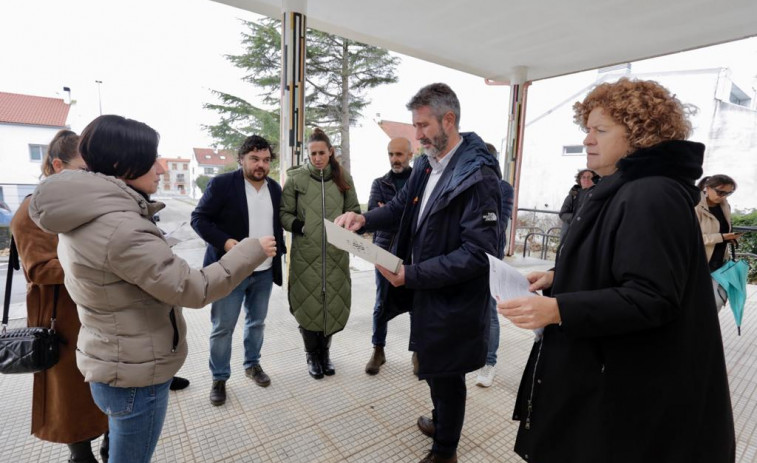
[426, 425]
[433, 458]
[377, 359]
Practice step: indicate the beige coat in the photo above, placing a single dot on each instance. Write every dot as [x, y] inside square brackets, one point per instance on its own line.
[711, 227]
[62, 406]
[127, 283]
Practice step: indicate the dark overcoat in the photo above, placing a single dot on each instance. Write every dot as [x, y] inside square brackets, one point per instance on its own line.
[444, 251]
[222, 213]
[382, 191]
[636, 371]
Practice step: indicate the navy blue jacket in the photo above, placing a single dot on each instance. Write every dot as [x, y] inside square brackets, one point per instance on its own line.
[446, 268]
[222, 214]
[383, 191]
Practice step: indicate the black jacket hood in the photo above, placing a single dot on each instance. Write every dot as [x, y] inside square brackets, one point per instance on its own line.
[677, 159]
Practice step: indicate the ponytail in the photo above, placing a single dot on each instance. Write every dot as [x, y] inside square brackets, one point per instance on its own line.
[63, 146]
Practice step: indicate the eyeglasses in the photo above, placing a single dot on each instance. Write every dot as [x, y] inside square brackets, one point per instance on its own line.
[722, 193]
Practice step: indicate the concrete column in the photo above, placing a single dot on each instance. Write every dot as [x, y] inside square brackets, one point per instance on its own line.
[293, 28]
[514, 149]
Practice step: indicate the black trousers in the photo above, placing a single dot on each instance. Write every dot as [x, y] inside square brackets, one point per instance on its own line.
[448, 396]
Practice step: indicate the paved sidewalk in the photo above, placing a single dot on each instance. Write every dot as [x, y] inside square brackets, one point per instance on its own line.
[350, 417]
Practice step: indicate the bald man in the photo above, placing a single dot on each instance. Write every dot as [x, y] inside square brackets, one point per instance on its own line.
[382, 191]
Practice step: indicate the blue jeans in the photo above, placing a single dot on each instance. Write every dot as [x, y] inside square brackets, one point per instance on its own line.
[491, 355]
[254, 292]
[135, 419]
[379, 327]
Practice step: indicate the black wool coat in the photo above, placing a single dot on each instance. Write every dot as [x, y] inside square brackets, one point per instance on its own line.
[444, 251]
[636, 371]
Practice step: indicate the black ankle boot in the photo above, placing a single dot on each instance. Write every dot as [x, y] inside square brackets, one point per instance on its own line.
[314, 365]
[312, 353]
[81, 452]
[326, 364]
[105, 447]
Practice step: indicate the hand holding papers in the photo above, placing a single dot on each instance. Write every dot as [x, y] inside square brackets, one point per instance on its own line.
[506, 283]
[354, 244]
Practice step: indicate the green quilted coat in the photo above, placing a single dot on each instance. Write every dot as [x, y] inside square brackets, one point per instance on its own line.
[319, 275]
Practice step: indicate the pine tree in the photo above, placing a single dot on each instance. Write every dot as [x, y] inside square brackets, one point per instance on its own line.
[339, 72]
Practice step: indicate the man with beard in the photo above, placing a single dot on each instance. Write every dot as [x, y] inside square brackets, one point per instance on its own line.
[447, 220]
[383, 190]
[236, 205]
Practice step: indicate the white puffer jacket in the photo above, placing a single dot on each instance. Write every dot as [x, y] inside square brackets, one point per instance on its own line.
[128, 285]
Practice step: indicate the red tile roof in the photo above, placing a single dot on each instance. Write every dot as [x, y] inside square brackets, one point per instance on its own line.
[401, 129]
[209, 156]
[32, 110]
[174, 159]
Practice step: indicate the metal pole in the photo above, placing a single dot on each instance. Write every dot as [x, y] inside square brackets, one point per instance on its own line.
[99, 97]
[293, 36]
[516, 125]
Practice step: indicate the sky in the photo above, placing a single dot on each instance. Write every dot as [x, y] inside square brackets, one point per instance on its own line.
[158, 61]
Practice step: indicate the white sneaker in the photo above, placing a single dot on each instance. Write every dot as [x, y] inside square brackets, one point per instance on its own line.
[485, 376]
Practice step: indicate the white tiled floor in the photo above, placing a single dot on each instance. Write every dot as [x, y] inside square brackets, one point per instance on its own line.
[350, 417]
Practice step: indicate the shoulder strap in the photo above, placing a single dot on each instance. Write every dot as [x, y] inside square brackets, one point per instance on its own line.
[13, 265]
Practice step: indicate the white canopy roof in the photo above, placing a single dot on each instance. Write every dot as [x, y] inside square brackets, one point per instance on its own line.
[490, 38]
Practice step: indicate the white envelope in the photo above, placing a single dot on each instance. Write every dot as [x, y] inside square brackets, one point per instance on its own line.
[361, 247]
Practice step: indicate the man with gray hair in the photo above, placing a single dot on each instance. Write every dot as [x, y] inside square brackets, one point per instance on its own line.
[447, 220]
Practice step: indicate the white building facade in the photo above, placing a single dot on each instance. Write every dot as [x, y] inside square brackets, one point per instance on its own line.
[176, 179]
[27, 124]
[725, 121]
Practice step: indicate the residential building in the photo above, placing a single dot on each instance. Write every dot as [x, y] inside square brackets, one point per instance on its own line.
[27, 124]
[401, 129]
[211, 161]
[725, 121]
[176, 179]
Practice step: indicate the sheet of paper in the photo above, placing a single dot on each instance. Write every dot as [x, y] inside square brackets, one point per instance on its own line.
[507, 283]
[173, 238]
[361, 247]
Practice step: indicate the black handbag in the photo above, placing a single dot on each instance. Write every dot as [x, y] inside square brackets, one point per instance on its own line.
[26, 350]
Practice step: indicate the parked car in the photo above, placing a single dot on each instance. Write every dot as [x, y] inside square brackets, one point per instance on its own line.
[5, 215]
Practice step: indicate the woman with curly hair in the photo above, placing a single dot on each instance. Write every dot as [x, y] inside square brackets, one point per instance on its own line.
[629, 364]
